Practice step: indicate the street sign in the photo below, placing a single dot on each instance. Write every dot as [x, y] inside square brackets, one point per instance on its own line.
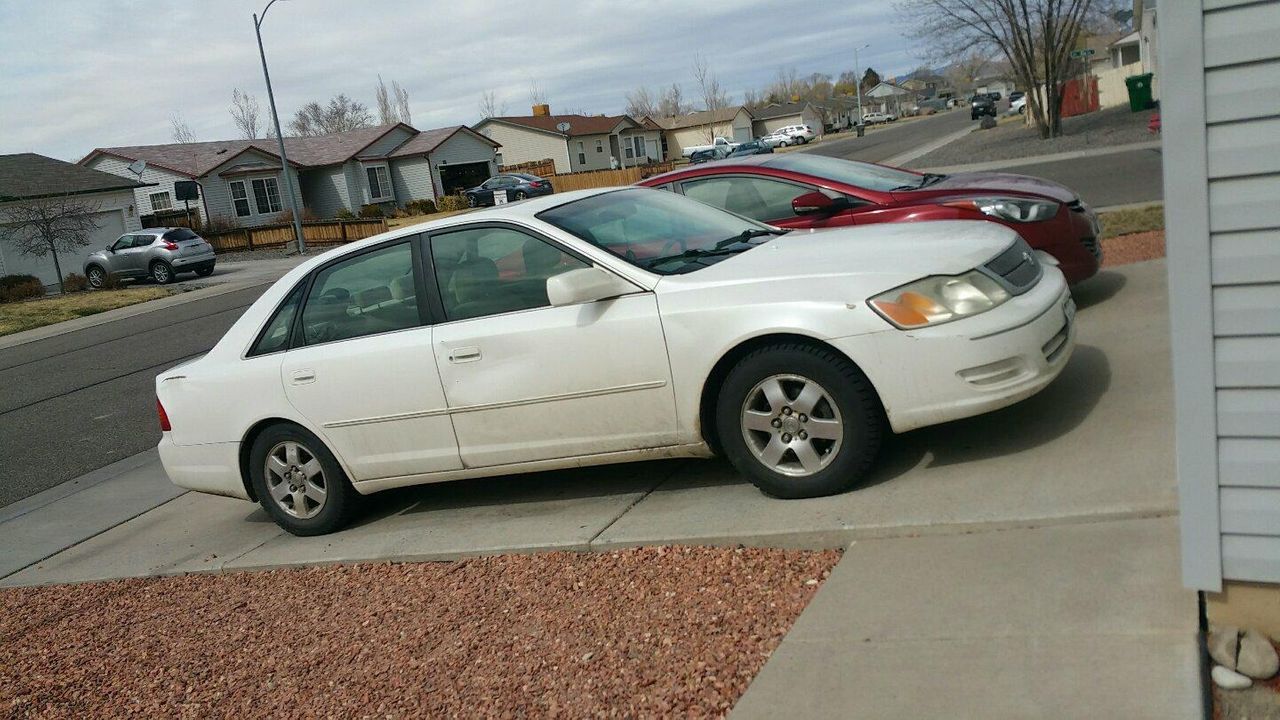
[1083, 52]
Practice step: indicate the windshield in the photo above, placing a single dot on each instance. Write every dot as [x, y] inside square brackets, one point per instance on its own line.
[659, 231]
[849, 172]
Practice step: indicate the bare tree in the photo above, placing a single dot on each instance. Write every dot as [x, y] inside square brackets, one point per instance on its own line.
[963, 73]
[49, 226]
[181, 131]
[1035, 36]
[244, 111]
[386, 113]
[491, 106]
[640, 102]
[672, 103]
[537, 96]
[714, 98]
[341, 114]
[402, 102]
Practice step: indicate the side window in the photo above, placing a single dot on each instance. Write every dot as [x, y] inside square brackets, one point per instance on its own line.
[141, 241]
[756, 198]
[368, 294]
[275, 336]
[489, 271]
[124, 241]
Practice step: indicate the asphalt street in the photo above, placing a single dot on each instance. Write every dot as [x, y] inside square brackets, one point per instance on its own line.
[883, 142]
[76, 402]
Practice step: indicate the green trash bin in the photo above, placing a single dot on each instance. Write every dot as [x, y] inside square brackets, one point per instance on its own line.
[1139, 91]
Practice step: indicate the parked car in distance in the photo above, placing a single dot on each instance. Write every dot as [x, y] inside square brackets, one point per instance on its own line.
[803, 190]
[874, 118]
[603, 326]
[720, 143]
[1013, 96]
[707, 155]
[753, 147]
[517, 186]
[1018, 106]
[995, 96]
[980, 105]
[799, 134]
[157, 253]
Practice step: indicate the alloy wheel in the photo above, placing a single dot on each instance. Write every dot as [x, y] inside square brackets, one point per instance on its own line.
[96, 278]
[791, 425]
[295, 479]
[160, 272]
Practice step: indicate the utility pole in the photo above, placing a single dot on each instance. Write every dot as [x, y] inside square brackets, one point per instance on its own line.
[275, 118]
[856, 67]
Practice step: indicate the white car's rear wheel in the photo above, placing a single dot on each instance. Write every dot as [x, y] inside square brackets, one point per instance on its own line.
[799, 420]
[299, 482]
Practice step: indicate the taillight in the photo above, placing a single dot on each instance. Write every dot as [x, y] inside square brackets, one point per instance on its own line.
[170, 245]
[164, 417]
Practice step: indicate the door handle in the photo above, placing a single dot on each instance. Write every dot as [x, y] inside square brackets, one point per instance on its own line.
[302, 377]
[464, 354]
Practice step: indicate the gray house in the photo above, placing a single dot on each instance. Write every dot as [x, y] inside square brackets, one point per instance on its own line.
[1221, 117]
[28, 178]
[241, 180]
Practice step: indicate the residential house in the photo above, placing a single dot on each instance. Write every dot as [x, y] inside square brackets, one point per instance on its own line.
[767, 118]
[887, 97]
[1221, 125]
[838, 112]
[28, 178]
[241, 180]
[576, 143]
[700, 128]
[995, 83]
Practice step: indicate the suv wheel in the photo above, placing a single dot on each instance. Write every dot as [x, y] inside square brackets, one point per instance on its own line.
[162, 272]
[97, 277]
[799, 421]
[299, 482]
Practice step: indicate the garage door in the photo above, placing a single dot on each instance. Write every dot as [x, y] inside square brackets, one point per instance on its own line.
[110, 226]
[462, 176]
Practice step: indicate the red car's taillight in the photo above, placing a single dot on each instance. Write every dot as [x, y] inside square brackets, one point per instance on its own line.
[164, 417]
[170, 245]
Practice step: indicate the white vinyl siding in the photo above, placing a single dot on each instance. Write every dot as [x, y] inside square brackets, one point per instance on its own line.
[520, 145]
[1222, 100]
[163, 179]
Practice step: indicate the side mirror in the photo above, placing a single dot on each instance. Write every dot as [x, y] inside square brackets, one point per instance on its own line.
[816, 203]
[585, 285]
[111, 250]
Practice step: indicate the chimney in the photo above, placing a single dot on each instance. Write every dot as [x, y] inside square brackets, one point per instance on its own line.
[542, 109]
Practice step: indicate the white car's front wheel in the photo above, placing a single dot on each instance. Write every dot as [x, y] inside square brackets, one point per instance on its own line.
[799, 420]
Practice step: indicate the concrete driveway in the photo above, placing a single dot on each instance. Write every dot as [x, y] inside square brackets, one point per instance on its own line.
[1095, 445]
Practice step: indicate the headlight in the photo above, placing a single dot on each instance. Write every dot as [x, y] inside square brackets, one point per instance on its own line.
[1012, 209]
[939, 299]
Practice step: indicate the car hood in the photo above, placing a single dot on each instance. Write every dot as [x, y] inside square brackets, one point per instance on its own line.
[992, 182]
[897, 252]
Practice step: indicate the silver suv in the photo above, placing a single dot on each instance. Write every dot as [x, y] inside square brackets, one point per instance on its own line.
[160, 253]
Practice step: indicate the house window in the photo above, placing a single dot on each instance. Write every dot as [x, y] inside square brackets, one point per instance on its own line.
[160, 201]
[266, 195]
[638, 142]
[626, 144]
[240, 198]
[599, 146]
[379, 183]
[582, 153]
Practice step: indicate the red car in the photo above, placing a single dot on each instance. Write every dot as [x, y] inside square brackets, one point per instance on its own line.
[803, 190]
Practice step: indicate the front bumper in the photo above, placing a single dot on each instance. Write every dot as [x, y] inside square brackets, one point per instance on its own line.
[1072, 237]
[971, 366]
[210, 468]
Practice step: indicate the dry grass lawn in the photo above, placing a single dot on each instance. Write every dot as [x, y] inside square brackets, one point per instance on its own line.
[19, 316]
[415, 219]
[1128, 222]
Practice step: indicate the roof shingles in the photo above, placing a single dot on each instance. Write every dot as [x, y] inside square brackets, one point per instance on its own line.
[28, 175]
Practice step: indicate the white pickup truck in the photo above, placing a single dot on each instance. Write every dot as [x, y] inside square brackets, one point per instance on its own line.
[720, 142]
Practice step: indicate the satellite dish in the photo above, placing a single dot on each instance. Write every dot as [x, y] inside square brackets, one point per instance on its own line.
[563, 127]
[137, 167]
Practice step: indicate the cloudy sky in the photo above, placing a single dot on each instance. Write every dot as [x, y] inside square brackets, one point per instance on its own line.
[80, 74]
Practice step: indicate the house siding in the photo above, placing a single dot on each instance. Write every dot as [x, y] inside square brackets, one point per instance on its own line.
[1225, 254]
[164, 180]
[218, 190]
[392, 140]
[520, 145]
[412, 179]
[596, 160]
[325, 190]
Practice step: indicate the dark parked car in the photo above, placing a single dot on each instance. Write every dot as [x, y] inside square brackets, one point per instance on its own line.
[753, 147]
[517, 186]
[803, 190]
[701, 156]
[980, 105]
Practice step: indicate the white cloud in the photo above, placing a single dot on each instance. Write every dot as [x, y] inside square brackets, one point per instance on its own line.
[81, 74]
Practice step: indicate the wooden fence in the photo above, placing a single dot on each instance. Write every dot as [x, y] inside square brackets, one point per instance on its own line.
[607, 178]
[329, 232]
[541, 168]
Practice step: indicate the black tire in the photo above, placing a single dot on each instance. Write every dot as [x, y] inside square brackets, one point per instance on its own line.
[204, 271]
[471, 201]
[861, 418]
[162, 272]
[520, 195]
[97, 277]
[341, 501]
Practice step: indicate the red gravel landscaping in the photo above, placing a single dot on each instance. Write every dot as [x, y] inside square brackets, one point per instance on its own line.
[636, 633]
[1136, 247]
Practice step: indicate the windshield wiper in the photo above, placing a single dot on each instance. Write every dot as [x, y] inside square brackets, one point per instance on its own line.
[927, 179]
[722, 247]
[748, 234]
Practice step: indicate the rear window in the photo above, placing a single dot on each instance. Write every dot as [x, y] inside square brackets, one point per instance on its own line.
[180, 234]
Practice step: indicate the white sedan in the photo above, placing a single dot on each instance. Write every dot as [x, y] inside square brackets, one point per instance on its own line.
[606, 326]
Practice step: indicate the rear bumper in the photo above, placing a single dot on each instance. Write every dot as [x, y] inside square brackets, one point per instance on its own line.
[970, 366]
[210, 468]
[193, 262]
